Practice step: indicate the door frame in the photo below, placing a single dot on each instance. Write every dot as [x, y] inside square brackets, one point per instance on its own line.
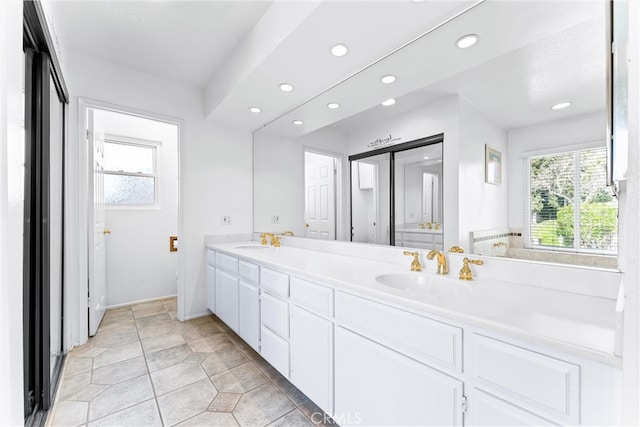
[80, 195]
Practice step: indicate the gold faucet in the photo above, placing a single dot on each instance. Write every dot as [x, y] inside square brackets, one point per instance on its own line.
[275, 240]
[429, 225]
[456, 249]
[422, 224]
[465, 271]
[288, 233]
[442, 261]
[437, 226]
[415, 264]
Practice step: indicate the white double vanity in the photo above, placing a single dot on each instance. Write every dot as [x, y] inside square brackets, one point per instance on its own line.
[372, 343]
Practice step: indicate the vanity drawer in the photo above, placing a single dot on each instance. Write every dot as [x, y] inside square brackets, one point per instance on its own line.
[275, 350]
[227, 262]
[435, 343]
[531, 380]
[211, 257]
[311, 296]
[249, 272]
[275, 282]
[274, 314]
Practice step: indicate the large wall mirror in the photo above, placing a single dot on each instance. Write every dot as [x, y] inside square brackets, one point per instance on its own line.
[527, 103]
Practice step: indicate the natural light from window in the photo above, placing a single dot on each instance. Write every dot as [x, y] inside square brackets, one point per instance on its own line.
[130, 174]
[571, 207]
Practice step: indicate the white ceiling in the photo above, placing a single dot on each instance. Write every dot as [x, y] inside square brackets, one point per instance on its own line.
[183, 41]
[531, 55]
[526, 55]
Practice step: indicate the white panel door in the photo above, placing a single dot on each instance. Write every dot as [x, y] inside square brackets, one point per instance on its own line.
[97, 232]
[378, 386]
[320, 196]
[226, 298]
[312, 357]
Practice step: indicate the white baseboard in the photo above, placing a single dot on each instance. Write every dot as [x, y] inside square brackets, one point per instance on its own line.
[126, 304]
[195, 316]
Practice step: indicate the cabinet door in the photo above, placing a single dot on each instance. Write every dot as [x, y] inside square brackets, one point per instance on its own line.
[227, 298]
[249, 315]
[275, 350]
[211, 288]
[488, 410]
[312, 357]
[378, 386]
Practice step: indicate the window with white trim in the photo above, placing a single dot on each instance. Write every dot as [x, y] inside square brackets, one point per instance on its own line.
[130, 174]
[570, 206]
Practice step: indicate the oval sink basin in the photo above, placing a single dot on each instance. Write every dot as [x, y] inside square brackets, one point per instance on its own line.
[253, 247]
[412, 282]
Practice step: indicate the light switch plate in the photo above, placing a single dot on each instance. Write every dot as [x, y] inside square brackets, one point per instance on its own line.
[226, 219]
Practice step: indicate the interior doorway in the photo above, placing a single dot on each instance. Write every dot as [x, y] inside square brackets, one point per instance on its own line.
[133, 209]
[321, 190]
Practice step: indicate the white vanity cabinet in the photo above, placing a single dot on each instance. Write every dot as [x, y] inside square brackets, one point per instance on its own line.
[226, 290]
[211, 280]
[312, 341]
[274, 319]
[249, 303]
[385, 366]
[367, 360]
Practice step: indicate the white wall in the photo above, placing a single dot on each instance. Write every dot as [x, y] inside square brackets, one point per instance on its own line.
[215, 168]
[629, 248]
[576, 130]
[482, 206]
[11, 213]
[279, 179]
[139, 265]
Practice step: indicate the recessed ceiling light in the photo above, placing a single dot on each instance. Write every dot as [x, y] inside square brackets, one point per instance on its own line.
[388, 102]
[298, 122]
[286, 87]
[467, 41]
[333, 105]
[255, 109]
[339, 50]
[561, 105]
[388, 79]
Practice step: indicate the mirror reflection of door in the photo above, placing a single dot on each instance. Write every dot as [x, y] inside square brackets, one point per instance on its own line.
[430, 199]
[320, 196]
[418, 197]
[370, 211]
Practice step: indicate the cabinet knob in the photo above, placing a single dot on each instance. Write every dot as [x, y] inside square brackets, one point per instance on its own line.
[106, 231]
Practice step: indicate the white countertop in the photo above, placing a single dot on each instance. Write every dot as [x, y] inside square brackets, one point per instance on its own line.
[581, 325]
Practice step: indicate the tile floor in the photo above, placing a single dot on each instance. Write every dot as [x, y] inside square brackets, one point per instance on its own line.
[145, 368]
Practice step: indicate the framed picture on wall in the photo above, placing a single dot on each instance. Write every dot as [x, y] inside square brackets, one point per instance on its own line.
[492, 165]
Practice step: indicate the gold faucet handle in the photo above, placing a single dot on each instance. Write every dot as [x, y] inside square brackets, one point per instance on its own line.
[415, 264]
[456, 250]
[264, 239]
[288, 233]
[275, 241]
[465, 271]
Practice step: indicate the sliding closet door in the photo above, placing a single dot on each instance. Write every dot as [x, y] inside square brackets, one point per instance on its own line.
[56, 167]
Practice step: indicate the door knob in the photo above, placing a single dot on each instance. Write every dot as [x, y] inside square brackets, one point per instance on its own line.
[306, 225]
[106, 231]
